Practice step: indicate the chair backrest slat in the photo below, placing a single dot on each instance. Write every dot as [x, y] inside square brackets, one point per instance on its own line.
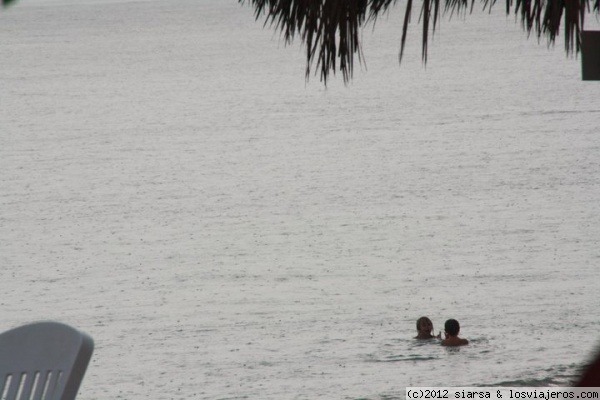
[30, 381]
[42, 385]
[11, 386]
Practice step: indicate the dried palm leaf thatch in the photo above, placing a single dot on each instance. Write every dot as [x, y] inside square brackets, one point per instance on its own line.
[330, 28]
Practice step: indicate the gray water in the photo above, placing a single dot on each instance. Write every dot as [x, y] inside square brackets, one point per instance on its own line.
[171, 185]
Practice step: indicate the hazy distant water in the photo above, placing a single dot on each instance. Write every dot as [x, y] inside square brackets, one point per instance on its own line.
[171, 186]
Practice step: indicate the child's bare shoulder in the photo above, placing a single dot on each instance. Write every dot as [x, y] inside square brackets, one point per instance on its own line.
[454, 341]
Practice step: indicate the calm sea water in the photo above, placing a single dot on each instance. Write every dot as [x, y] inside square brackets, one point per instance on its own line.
[171, 185]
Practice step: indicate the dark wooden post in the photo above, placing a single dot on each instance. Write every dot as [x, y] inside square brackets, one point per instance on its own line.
[590, 55]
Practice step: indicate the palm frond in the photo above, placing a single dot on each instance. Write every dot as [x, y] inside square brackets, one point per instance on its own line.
[330, 29]
[407, 14]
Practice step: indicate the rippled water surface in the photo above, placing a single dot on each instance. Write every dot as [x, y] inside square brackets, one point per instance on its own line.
[171, 185]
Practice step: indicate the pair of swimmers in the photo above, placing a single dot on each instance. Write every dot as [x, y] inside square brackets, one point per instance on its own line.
[451, 328]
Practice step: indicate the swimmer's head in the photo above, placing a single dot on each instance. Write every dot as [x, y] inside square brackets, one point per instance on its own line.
[424, 324]
[452, 327]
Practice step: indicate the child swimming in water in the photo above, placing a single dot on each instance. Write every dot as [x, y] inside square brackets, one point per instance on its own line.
[424, 329]
[452, 327]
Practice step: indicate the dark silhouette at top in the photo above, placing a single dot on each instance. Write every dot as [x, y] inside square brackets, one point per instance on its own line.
[330, 29]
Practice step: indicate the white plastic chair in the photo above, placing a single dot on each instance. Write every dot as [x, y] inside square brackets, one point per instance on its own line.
[43, 361]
